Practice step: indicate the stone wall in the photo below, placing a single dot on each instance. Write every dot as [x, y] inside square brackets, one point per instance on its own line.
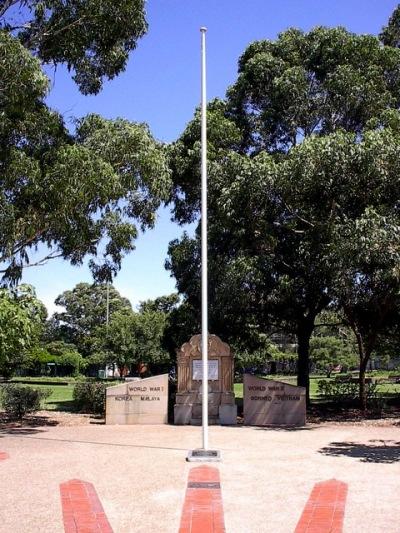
[272, 403]
[143, 401]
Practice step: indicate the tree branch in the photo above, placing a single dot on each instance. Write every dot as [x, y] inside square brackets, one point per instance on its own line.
[41, 262]
[41, 36]
[332, 324]
[5, 6]
[20, 246]
[290, 209]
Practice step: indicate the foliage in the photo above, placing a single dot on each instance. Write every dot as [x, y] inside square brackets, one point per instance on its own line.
[85, 308]
[164, 304]
[327, 352]
[390, 35]
[18, 401]
[367, 286]
[92, 37]
[346, 390]
[295, 165]
[26, 297]
[245, 358]
[133, 338]
[64, 355]
[184, 157]
[90, 396]
[69, 191]
[306, 83]
[18, 331]
[178, 321]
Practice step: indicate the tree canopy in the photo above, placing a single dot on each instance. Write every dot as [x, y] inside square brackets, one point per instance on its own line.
[132, 338]
[310, 145]
[85, 309]
[20, 327]
[390, 35]
[92, 38]
[69, 192]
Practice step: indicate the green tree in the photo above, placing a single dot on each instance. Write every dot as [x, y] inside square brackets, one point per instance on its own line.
[367, 285]
[18, 331]
[175, 320]
[164, 304]
[278, 191]
[63, 354]
[390, 35]
[132, 338]
[85, 308]
[66, 191]
[326, 352]
[92, 38]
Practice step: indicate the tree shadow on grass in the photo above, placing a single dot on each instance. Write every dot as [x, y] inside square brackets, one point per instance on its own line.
[62, 405]
[375, 451]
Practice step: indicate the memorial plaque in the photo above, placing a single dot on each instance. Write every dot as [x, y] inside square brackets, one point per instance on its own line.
[189, 397]
[197, 374]
[272, 403]
[138, 402]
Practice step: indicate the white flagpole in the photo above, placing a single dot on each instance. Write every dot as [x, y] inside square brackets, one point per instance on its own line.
[204, 281]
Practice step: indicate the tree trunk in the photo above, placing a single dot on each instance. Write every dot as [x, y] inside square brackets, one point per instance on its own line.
[364, 357]
[304, 333]
[363, 390]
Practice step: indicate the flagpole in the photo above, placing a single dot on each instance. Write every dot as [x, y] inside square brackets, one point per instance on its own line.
[204, 280]
[204, 454]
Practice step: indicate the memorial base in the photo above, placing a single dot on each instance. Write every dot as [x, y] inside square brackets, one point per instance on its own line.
[221, 408]
[204, 456]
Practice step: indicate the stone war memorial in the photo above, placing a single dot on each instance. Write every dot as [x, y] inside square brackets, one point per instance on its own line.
[272, 403]
[143, 401]
[221, 398]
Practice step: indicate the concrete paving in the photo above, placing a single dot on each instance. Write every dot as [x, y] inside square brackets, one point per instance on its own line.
[140, 474]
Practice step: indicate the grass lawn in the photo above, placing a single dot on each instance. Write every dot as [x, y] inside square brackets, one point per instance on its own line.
[60, 398]
[61, 390]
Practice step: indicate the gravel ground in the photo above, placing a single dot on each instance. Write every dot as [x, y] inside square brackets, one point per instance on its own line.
[140, 473]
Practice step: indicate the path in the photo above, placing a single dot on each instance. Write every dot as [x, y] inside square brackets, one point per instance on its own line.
[140, 475]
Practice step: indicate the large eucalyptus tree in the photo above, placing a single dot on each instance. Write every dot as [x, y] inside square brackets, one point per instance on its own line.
[290, 166]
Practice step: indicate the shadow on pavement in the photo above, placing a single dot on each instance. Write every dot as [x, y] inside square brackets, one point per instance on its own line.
[19, 431]
[387, 451]
[283, 428]
[30, 435]
[29, 425]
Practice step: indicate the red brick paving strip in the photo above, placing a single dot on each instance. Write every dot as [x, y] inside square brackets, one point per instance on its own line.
[202, 510]
[324, 511]
[82, 509]
[3, 455]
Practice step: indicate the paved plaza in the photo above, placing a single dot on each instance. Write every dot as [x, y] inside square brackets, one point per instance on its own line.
[140, 475]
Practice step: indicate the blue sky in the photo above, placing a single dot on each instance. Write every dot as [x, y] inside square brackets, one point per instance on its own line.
[161, 86]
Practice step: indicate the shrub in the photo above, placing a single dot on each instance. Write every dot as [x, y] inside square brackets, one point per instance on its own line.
[345, 389]
[18, 401]
[89, 397]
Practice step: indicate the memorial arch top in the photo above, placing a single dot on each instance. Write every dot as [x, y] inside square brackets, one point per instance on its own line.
[220, 365]
[221, 400]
